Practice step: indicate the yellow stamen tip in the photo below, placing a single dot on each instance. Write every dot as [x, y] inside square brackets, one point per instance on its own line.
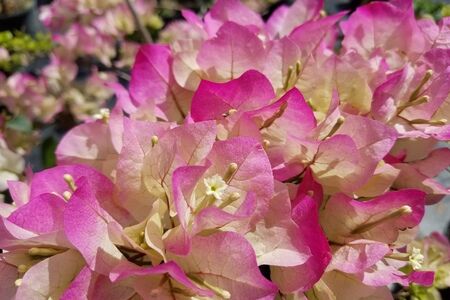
[18, 282]
[103, 115]
[336, 127]
[232, 167]
[405, 210]
[70, 181]
[225, 294]
[67, 177]
[155, 140]
[22, 268]
[425, 98]
[232, 111]
[229, 113]
[43, 251]
[298, 67]
[66, 195]
[235, 196]
[33, 251]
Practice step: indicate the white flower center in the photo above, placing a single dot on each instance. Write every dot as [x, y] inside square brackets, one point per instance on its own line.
[103, 114]
[215, 186]
[416, 259]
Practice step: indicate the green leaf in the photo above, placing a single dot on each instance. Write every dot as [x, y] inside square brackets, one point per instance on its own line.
[20, 123]
[48, 152]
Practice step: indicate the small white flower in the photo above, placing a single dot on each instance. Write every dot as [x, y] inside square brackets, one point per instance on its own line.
[416, 259]
[103, 114]
[215, 186]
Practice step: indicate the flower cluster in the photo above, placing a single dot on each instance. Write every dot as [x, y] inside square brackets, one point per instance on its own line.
[435, 256]
[247, 160]
[95, 27]
[41, 98]
[86, 36]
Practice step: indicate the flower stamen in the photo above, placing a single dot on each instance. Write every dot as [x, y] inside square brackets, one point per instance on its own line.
[70, 182]
[230, 199]
[155, 140]
[424, 80]
[216, 290]
[416, 259]
[232, 168]
[103, 115]
[45, 252]
[404, 210]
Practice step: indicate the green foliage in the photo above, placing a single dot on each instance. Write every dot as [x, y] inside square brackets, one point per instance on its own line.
[433, 9]
[419, 292]
[22, 48]
[48, 152]
[20, 123]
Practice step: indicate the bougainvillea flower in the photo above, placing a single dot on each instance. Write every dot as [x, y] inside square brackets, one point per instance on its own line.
[235, 186]
[337, 285]
[435, 256]
[152, 81]
[410, 99]
[356, 80]
[34, 233]
[241, 279]
[137, 144]
[102, 251]
[224, 60]
[246, 45]
[378, 219]
[196, 275]
[285, 18]
[247, 160]
[91, 285]
[213, 101]
[291, 152]
[421, 173]
[97, 144]
[231, 11]
[392, 28]
[362, 153]
[302, 233]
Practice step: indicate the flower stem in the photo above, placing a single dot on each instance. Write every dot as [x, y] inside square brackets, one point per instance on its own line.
[144, 32]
